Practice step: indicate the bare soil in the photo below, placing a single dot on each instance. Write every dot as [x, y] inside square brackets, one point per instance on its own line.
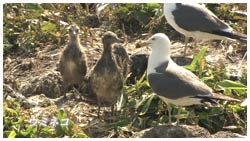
[24, 72]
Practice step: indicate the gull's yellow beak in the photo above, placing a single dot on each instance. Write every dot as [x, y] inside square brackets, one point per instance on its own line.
[142, 44]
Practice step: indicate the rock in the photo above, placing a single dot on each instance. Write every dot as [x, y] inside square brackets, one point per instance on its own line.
[39, 101]
[8, 92]
[97, 129]
[92, 21]
[49, 84]
[138, 66]
[182, 61]
[226, 134]
[197, 131]
[140, 62]
[182, 131]
[166, 131]
[41, 107]
[25, 65]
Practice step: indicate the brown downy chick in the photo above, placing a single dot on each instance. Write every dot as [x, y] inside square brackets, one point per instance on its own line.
[73, 61]
[105, 79]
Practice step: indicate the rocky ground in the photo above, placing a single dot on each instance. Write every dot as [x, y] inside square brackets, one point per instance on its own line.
[35, 82]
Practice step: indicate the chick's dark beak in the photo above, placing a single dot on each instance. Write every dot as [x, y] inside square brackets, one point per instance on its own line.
[120, 40]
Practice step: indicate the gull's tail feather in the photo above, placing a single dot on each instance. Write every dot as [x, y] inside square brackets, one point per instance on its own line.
[232, 35]
[224, 97]
[210, 100]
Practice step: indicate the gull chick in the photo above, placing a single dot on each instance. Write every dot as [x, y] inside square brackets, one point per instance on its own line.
[105, 79]
[73, 62]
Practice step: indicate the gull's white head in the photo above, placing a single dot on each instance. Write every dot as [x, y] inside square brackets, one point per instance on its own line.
[159, 42]
[160, 45]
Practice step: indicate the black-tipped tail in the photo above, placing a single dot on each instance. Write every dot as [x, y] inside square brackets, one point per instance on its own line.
[223, 97]
[210, 99]
[232, 35]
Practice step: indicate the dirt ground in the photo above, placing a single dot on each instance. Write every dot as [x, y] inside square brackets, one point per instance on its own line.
[24, 73]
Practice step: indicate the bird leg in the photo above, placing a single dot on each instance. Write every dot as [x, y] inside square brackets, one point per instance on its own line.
[113, 113]
[99, 107]
[195, 43]
[185, 47]
[169, 108]
[65, 90]
[112, 110]
[178, 116]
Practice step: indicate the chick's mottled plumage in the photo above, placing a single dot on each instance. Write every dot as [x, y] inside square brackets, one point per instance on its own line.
[122, 60]
[105, 79]
[73, 61]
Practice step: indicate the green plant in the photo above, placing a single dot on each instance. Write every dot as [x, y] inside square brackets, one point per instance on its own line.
[132, 17]
[31, 25]
[17, 124]
[147, 109]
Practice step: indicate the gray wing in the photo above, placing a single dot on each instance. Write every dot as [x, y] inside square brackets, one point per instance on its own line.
[192, 18]
[178, 82]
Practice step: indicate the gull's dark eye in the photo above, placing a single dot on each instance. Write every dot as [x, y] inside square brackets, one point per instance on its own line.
[153, 39]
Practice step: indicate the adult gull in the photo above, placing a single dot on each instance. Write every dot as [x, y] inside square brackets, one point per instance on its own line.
[173, 83]
[196, 21]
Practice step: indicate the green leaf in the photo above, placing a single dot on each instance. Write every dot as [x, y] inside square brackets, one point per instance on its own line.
[197, 59]
[120, 123]
[34, 6]
[122, 101]
[141, 17]
[235, 108]
[48, 6]
[7, 47]
[163, 119]
[59, 131]
[147, 105]
[12, 134]
[80, 135]
[131, 103]
[61, 114]
[12, 112]
[56, 34]
[141, 101]
[142, 77]
[153, 5]
[228, 84]
[28, 131]
[48, 26]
